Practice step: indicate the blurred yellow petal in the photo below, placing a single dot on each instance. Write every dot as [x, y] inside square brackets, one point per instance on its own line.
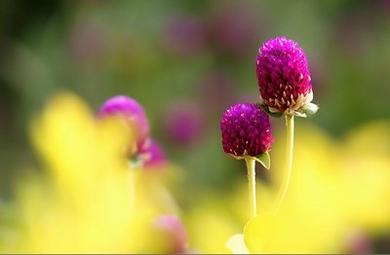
[210, 226]
[86, 203]
[336, 188]
[236, 244]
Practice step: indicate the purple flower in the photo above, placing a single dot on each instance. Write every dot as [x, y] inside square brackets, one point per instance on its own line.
[246, 131]
[184, 122]
[153, 155]
[283, 76]
[131, 111]
[172, 226]
[233, 29]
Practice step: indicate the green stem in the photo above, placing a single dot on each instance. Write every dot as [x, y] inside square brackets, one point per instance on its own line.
[132, 184]
[250, 165]
[289, 161]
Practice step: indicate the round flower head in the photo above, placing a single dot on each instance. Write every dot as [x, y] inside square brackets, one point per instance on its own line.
[131, 111]
[283, 76]
[246, 131]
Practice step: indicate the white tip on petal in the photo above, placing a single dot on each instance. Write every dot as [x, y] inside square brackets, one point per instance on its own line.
[309, 96]
[310, 108]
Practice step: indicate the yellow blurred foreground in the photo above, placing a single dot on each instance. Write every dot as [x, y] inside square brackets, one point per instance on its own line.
[90, 201]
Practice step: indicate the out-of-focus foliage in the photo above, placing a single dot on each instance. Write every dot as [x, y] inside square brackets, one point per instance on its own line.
[146, 50]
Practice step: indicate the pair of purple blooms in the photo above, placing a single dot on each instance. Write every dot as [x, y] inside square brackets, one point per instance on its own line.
[285, 88]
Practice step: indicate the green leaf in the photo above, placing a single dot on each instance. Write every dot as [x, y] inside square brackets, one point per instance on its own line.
[264, 159]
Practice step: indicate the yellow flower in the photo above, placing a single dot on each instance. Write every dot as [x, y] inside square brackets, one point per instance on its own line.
[338, 188]
[210, 225]
[90, 201]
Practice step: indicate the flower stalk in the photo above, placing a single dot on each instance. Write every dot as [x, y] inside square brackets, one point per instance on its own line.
[250, 165]
[289, 161]
[246, 135]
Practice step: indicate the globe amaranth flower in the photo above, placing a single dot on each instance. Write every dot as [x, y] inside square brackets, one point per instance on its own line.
[132, 112]
[246, 131]
[284, 78]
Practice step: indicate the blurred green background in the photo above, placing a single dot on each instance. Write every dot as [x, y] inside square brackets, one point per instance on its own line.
[185, 61]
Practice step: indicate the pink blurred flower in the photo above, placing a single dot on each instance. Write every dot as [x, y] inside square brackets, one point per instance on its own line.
[183, 122]
[172, 225]
[233, 29]
[184, 35]
[154, 156]
[132, 112]
[358, 243]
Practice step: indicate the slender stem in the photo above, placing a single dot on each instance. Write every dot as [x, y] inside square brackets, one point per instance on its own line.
[250, 165]
[132, 188]
[289, 161]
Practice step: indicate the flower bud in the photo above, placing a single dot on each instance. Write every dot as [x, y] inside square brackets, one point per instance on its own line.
[246, 131]
[283, 76]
